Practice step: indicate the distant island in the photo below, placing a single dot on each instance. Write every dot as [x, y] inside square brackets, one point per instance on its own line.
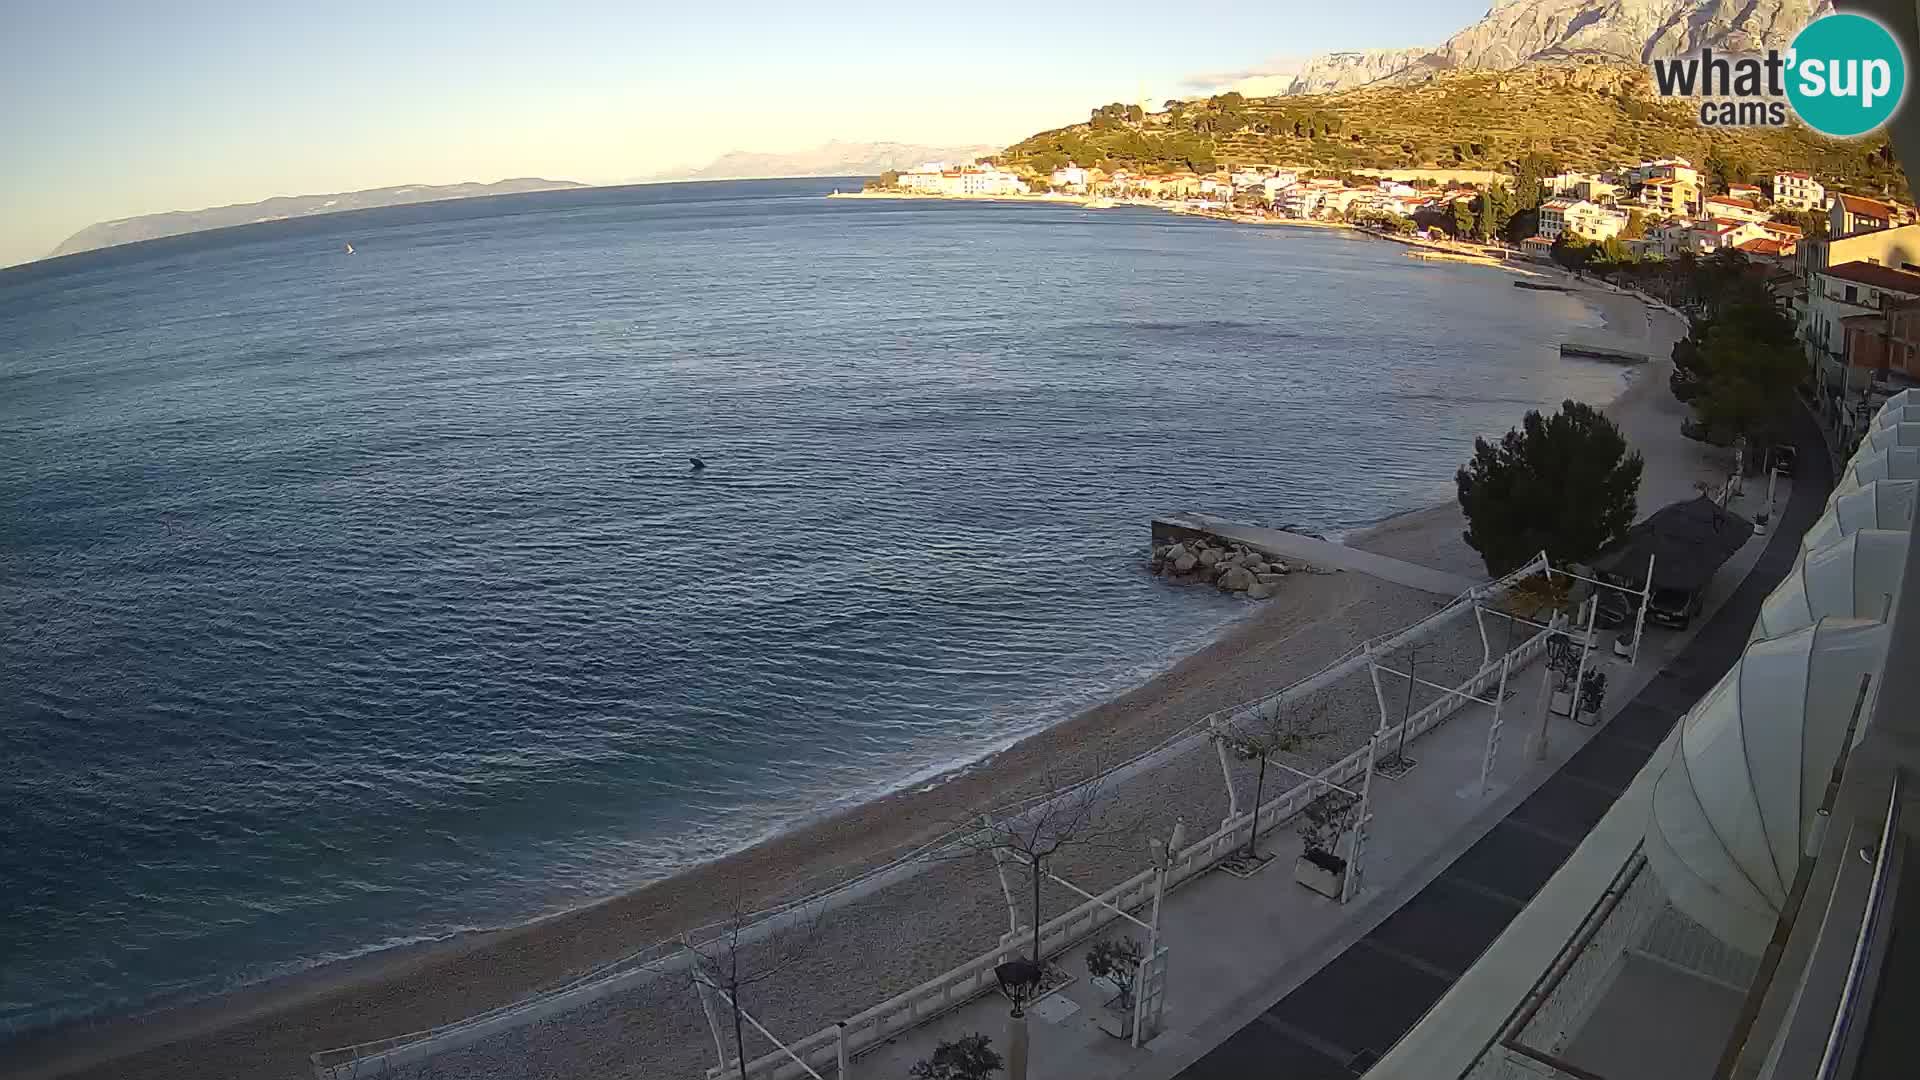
[831, 159]
[173, 223]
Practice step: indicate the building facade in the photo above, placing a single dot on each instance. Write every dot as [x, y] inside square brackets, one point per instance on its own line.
[1798, 191]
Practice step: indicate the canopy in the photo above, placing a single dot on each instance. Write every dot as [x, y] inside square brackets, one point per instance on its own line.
[1902, 400]
[1868, 465]
[1899, 414]
[1883, 504]
[1688, 542]
[1735, 805]
[1891, 435]
[1854, 577]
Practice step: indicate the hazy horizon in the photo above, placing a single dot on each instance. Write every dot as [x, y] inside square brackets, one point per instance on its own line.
[118, 109]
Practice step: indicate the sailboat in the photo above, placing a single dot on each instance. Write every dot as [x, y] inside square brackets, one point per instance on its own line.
[349, 249]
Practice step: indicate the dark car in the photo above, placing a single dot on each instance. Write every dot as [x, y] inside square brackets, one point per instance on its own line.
[1673, 607]
[1782, 459]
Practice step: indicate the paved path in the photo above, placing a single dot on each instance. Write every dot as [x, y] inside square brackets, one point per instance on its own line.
[1344, 1018]
[1370, 967]
[1325, 553]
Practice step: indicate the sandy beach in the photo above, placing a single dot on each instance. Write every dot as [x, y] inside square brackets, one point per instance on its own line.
[898, 935]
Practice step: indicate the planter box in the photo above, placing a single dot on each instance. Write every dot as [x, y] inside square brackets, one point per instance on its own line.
[1623, 647]
[1561, 703]
[1321, 872]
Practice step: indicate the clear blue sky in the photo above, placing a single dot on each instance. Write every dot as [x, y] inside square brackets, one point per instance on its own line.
[113, 109]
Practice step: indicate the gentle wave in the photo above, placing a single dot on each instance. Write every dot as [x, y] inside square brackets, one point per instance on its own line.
[372, 600]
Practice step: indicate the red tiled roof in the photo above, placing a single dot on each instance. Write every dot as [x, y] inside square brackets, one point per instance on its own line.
[1880, 277]
[1765, 245]
[1781, 228]
[1728, 200]
[1854, 204]
[1795, 175]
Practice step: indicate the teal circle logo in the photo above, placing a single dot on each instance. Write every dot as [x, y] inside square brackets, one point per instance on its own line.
[1846, 75]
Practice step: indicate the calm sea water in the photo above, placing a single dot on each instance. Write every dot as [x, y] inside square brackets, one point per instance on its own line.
[351, 600]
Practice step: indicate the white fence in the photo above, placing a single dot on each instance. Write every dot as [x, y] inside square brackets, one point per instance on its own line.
[962, 984]
[969, 980]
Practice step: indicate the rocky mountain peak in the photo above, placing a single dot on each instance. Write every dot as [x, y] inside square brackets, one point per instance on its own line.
[1515, 32]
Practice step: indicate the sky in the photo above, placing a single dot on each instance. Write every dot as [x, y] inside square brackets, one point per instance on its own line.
[113, 109]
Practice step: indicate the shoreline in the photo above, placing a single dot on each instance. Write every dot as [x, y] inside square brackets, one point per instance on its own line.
[1422, 248]
[268, 1027]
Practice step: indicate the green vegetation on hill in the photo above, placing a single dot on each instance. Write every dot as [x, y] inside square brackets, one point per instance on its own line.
[1587, 116]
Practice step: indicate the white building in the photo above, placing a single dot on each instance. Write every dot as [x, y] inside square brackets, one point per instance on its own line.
[1071, 177]
[1306, 200]
[1727, 206]
[1274, 185]
[1679, 170]
[1798, 191]
[1591, 187]
[1581, 218]
[1397, 189]
[967, 180]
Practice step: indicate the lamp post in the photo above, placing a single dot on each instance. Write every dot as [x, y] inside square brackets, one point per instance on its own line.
[1018, 979]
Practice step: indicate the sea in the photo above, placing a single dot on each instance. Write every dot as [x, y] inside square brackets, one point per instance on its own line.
[355, 600]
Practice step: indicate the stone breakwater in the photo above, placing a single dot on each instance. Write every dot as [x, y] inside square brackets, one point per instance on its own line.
[1231, 567]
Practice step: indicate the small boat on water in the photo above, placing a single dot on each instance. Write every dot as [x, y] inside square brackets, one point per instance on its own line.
[349, 249]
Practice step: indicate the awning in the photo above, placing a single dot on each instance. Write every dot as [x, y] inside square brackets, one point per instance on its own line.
[1890, 435]
[1883, 504]
[1735, 805]
[1899, 414]
[1905, 399]
[1688, 542]
[1868, 465]
[1855, 577]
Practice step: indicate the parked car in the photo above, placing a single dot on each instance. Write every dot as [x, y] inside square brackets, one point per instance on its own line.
[1673, 607]
[1782, 458]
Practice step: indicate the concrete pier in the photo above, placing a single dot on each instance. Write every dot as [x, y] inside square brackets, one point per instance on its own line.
[1294, 547]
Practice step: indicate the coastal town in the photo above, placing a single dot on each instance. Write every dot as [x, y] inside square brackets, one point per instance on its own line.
[1846, 265]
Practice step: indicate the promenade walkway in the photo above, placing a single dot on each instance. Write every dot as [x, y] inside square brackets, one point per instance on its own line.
[1349, 1013]
[1269, 979]
[1325, 553]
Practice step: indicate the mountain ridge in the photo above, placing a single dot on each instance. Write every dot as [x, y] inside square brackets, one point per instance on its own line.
[832, 158]
[103, 234]
[1517, 32]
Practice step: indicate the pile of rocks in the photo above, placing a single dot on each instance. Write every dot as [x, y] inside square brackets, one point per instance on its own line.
[1230, 566]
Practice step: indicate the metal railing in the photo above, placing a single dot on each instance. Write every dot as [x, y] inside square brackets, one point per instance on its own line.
[381, 1055]
[1839, 1036]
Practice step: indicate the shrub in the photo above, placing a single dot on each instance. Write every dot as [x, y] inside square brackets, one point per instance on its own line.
[969, 1057]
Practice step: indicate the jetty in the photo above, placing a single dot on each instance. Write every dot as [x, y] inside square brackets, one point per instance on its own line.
[1296, 547]
[1606, 353]
[1539, 286]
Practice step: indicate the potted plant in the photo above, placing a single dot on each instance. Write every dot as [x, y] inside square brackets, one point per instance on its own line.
[1623, 642]
[1563, 660]
[1760, 523]
[1593, 691]
[969, 1057]
[1115, 963]
[1322, 824]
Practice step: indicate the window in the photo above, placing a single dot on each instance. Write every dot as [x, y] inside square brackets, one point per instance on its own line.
[1853, 295]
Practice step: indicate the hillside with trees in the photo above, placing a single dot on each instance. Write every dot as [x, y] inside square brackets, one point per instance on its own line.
[1586, 116]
